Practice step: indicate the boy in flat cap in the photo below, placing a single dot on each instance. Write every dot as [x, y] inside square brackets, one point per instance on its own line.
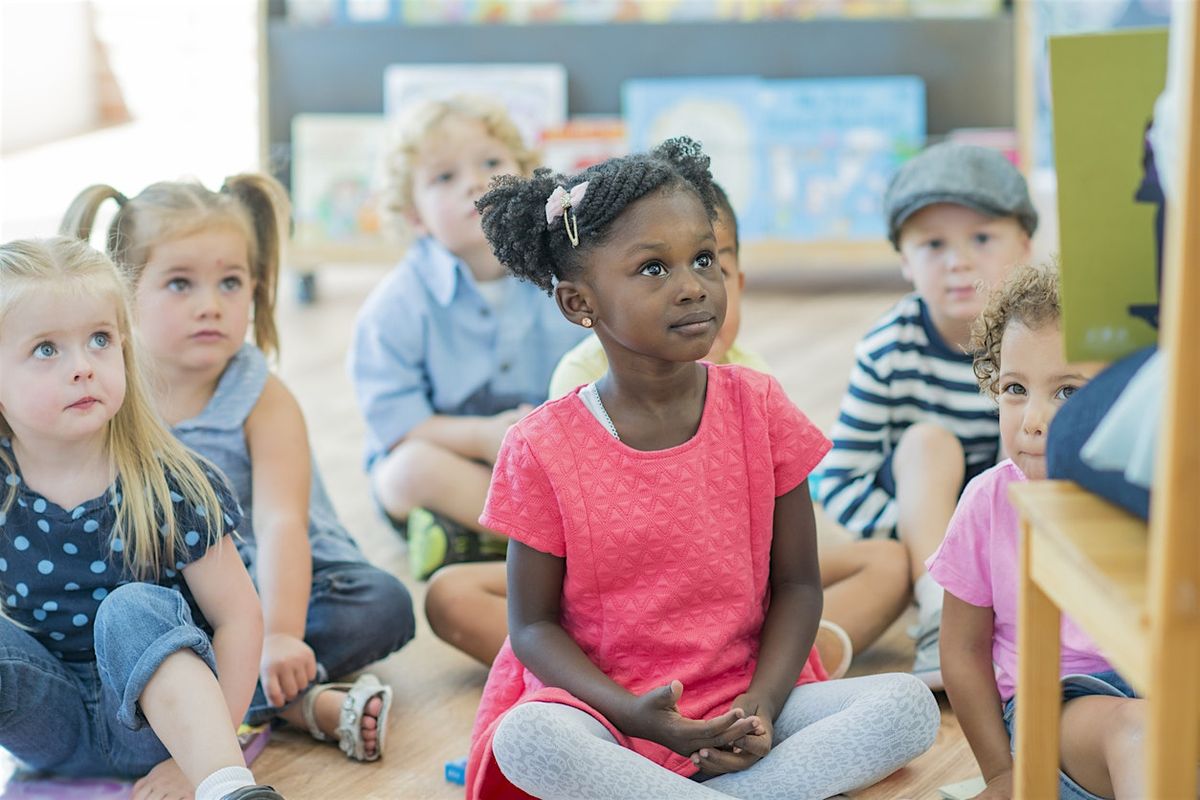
[913, 427]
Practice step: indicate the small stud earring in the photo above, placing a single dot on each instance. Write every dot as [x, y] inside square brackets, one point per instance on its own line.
[586, 322]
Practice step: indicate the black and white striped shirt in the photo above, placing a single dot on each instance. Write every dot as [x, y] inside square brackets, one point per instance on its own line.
[904, 373]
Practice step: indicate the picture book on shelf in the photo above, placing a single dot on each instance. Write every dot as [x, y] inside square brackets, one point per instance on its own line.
[801, 159]
[1104, 87]
[336, 179]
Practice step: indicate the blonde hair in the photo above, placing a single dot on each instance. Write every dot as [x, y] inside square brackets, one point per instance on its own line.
[253, 204]
[142, 450]
[418, 125]
[1029, 295]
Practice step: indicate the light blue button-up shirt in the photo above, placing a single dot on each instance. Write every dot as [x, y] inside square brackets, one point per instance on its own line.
[427, 342]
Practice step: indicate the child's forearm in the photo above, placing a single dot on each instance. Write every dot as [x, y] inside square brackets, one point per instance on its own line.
[557, 660]
[966, 643]
[787, 638]
[465, 436]
[976, 703]
[284, 565]
[237, 646]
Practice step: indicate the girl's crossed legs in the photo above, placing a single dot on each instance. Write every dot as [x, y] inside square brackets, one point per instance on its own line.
[830, 737]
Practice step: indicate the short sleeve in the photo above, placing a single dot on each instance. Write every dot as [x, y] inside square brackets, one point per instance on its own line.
[191, 520]
[797, 445]
[961, 563]
[521, 501]
[387, 367]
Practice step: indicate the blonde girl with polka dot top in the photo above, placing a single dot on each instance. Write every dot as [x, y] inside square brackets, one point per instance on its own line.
[130, 631]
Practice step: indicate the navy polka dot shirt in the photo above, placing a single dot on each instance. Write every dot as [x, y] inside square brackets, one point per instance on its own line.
[57, 564]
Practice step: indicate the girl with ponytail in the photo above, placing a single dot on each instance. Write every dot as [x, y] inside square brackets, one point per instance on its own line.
[204, 267]
[663, 587]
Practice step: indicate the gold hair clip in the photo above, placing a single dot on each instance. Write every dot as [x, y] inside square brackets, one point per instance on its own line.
[561, 203]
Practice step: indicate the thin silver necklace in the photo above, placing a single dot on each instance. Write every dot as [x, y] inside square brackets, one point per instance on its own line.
[607, 420]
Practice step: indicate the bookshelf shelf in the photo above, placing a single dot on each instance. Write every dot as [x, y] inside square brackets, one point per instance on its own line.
[967, 66]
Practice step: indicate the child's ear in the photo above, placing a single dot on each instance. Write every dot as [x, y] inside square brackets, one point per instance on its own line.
[413, 220]
[1027, 251]
[905, 269]
[575, 303]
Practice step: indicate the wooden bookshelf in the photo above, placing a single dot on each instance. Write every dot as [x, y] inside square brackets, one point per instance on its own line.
[967, 65]
[1134, 588]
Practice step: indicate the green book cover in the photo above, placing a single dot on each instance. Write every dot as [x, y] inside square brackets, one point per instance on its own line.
[1104, 87]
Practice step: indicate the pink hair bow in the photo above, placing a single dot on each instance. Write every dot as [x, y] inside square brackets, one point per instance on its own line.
[560, 202]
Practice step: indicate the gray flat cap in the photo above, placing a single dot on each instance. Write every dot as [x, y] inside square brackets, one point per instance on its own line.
[963, 174]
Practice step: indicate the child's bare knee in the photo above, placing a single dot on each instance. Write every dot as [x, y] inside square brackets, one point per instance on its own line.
[441, 602]
[930, 453]
[1128, 723]
[401, 479]
[928, 439]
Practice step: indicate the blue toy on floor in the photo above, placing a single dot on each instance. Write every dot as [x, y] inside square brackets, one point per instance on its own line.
[456, 771]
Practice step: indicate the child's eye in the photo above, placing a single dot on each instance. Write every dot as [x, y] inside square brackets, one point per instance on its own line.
[45, 350]
[654, 270]
[1013, 388]
[1065, 392]
[100, 340]
[178, 284]
[704, 261]
[934, 244]
[492, 163]
[231, 284]
[443, 177]
[983, 238]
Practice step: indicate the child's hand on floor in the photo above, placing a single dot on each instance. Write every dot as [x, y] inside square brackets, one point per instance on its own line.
[1000, 787]
[287, 667]
[165, 782]
[656, 718]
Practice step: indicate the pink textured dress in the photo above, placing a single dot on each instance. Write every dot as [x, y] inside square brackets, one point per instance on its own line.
[667, 552]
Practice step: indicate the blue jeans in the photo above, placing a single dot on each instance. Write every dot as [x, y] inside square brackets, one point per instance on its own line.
[82, 717]
[357, 614]
[1102, 683]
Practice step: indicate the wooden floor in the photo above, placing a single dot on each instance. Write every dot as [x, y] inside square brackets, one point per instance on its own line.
[807, 333]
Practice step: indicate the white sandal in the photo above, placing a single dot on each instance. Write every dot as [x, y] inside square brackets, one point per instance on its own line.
[847, 649]
[349, 729]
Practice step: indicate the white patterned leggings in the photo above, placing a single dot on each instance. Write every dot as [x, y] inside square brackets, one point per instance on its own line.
[831, 737]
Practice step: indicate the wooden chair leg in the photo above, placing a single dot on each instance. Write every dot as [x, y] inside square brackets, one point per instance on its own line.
[1172, 735]
[1039, 696]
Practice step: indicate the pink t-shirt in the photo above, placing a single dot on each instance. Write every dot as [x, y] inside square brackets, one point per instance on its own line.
[667, 552]
[978, 564]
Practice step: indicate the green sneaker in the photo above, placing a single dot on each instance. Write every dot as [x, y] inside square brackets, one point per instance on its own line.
[435, 541]
[493, 547]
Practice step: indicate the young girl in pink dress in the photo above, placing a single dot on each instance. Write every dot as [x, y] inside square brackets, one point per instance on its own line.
[662, 568]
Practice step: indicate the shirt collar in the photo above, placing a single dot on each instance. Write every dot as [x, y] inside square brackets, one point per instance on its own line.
[936, 342]
[441, 270]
